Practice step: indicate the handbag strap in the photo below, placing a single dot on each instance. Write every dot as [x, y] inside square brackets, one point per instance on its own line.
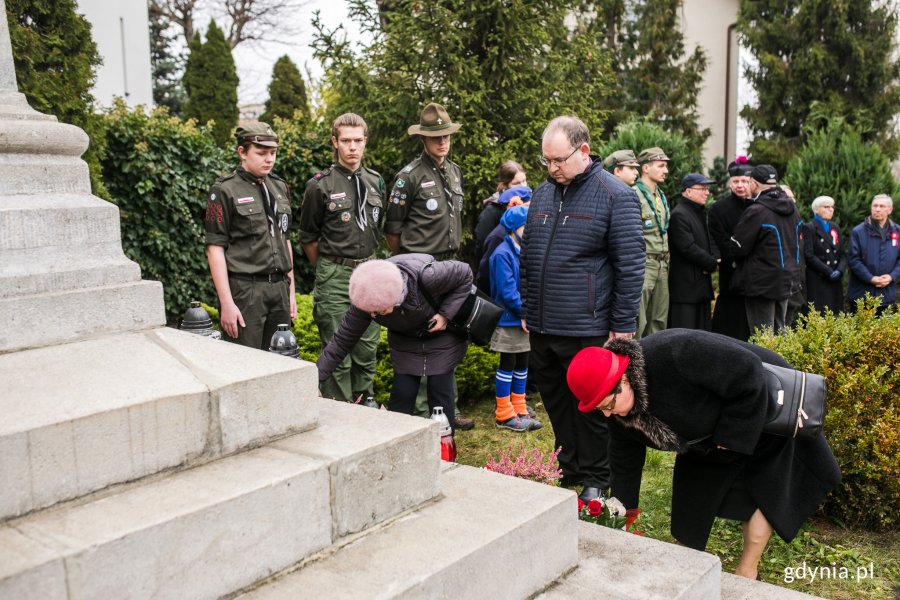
[422, 289]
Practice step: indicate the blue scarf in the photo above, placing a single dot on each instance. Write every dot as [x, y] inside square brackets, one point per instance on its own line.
[825, 224]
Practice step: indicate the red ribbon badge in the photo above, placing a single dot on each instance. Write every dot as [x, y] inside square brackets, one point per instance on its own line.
[894, 239]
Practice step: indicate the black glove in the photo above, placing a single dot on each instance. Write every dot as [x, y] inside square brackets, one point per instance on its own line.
[835, 275]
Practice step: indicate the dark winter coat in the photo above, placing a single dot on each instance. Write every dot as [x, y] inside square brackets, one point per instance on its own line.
[872, 255]
[583, 256]
[695, 390]
[487, 220]
[730, 317]
[824, 253]
[483, 277]
[448, 283]
[505, 282]
[693, 255]
[766, 244]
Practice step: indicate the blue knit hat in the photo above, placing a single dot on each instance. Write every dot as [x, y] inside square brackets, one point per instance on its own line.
[522, 191]
[514, 217]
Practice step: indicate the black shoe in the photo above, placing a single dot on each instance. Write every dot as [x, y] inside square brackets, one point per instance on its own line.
[589, 493]
[464, 423]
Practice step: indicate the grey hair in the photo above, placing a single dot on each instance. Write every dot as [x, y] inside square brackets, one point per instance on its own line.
[574, 129]
[821, 200]
[884, 197]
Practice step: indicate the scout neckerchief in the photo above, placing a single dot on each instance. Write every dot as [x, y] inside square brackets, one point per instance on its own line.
[361, 220]
[663, 227]
[269, 204]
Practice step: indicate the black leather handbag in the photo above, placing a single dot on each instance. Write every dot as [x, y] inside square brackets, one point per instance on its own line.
[477, 317]
[796, 406]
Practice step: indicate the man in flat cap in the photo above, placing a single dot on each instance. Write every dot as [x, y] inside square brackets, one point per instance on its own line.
[624, 165]
[248, 213]
[654, 311]
[425, 203]
[730, 314]
[767, 248]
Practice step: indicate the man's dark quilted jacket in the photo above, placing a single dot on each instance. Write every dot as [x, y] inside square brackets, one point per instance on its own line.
[583, 257]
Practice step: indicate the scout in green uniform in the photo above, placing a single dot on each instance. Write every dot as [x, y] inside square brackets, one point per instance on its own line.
[424, 211]
[248, 214]
[339, 229]
[624, 165]
[425, 202]
[654, 311]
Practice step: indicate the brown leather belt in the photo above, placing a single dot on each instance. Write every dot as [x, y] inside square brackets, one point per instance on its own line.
[276, 277]
[347, 262]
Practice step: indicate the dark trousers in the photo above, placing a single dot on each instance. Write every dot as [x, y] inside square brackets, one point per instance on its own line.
[583, 437]
[440, 393]
[264, 307]
[690, 316]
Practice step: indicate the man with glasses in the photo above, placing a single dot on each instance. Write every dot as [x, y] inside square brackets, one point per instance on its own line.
[694, 257]
[582, 268]
[654, 309]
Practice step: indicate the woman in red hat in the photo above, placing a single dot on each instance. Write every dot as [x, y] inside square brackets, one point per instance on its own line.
[703, 395]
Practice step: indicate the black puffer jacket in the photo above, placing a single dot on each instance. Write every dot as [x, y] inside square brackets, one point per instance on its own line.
[583, 257]
[766, 244]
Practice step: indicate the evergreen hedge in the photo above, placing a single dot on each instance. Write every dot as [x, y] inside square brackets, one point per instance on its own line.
[211, 81]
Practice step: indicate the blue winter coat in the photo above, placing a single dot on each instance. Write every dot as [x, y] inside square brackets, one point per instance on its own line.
[583, 257]
[871, 256]
[505, 282]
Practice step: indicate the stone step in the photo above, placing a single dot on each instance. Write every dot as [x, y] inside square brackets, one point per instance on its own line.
[75, 418]
[211, 530]
[615, 565]
[741, 588]
[489, 536]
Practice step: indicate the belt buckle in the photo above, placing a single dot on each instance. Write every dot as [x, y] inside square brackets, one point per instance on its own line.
[270, 276]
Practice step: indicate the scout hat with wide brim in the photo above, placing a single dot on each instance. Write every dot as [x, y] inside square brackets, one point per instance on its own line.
[434, 122]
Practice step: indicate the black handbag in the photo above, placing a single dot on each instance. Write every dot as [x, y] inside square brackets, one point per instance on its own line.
[476, 319]
[796, 406]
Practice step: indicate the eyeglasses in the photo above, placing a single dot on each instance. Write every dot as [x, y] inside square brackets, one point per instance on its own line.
[704, 190]
[612, 403]
[557, 162]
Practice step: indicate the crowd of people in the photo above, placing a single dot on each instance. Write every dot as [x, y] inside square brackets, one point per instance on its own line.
[606, 291]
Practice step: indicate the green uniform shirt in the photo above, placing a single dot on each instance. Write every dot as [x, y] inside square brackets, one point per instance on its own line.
[654, 218]
[425, 207]
[329, 215]
[237, 219]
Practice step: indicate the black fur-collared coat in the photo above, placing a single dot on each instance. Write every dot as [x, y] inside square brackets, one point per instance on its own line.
[695, 390]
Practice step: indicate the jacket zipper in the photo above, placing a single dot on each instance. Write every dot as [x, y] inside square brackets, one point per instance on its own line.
[544, 266]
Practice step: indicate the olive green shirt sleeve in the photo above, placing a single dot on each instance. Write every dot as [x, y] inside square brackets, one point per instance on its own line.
[399, 199]
[218, 217]
[312, 213]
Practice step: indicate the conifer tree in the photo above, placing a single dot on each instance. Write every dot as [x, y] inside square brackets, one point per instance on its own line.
[56, 61]
[819, 57]
[287, 92]
[656, 79]
[165, 63]
[211, 81]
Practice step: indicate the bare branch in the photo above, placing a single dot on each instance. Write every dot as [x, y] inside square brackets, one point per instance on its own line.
[261, 20]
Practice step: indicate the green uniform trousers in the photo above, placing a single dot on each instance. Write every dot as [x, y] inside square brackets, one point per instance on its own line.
[264, 307]
[654, 311]
[356, 373]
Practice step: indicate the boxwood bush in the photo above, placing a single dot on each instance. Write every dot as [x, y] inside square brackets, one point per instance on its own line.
[857, 354]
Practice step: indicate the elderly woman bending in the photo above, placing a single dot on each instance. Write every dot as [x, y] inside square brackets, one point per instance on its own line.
[389, 292]
[703, 395]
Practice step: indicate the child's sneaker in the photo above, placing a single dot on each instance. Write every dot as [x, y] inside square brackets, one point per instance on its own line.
[533, 424]
[514, 424]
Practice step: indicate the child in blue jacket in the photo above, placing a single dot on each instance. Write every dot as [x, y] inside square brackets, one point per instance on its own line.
[510, 338]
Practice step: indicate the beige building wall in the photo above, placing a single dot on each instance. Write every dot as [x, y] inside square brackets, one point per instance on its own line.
[710, 24]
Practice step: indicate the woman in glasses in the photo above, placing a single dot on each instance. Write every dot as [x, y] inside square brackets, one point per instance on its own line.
[826, 259]
[390, 292]
[703, 396]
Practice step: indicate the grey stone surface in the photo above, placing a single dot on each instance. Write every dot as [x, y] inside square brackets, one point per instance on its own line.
[7, 66]
[741, 588]
[196, 534]
[490, 536]
[381, 463]
[29, 569]
[616, 565]
[257, 395]
[67, 316]
[75, 418]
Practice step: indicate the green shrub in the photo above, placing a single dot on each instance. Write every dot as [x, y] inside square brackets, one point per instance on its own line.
[637, 135]
[858, 356]
[835, 161]
[157, 170]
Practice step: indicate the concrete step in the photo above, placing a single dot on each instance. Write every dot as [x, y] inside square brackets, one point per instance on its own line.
[75, 418]
[741, 588]
[217, 528]
[615, 565]
[489, 536]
